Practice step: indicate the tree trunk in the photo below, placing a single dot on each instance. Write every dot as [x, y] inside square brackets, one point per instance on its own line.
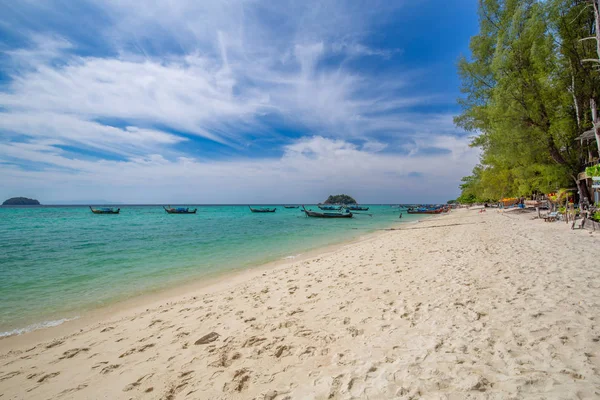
[584, 193]
[575, 102]
[554, 153]
[595, 121]
[597, 17]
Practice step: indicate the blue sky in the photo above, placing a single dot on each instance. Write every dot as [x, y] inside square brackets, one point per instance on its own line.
[232, 101]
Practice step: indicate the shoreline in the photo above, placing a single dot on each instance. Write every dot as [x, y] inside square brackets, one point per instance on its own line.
[169, 293]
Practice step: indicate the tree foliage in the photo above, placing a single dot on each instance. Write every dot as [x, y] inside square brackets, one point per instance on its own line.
[340, 199]
[21, 201]
[527, 91]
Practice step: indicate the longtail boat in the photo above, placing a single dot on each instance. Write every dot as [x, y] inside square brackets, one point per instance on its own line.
[357, 208]
[180, 210]
[315, 214]
[329, 208]
[262, 210]
[291, 206]
[105, 210]
[424, 211]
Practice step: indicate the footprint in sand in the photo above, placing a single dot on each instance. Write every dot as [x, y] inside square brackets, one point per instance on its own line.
[9, 375]
[71, 390]
[253, 341]
[48, 376]
[73, 352]
[54, 344]
[109, 368]
[239, 381]
[335, 386]
[154, 322]
[100, 364]
[283, 351]
[176, 388]
[137, 383]
[137, 350]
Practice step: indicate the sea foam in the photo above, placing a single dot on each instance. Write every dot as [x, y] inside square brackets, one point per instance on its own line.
[35, 327]
[291, 257]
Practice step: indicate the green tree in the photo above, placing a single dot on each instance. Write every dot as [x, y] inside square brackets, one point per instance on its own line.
[340, 199]
[526, 86]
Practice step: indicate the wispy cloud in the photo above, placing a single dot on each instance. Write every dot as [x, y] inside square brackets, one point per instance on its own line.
[359, 50]
[41, 50]
[221, 71]
[308, 170]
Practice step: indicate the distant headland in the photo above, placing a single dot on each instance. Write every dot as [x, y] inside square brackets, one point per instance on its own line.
[340, 199]
[21, 201]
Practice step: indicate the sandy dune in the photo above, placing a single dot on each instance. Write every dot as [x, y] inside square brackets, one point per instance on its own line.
[466, 305]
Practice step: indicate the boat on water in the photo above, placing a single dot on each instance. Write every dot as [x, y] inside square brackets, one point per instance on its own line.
[316, 214]
[425, 210]
[356, 207]
[105, 210]
[262, 210]
[329, 208]
[180, 210]
[291, 206]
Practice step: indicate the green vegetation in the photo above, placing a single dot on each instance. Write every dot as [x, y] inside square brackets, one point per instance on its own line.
[531, 87]
[340, 199]
[562, 209]
[593, 171]
[21, 201]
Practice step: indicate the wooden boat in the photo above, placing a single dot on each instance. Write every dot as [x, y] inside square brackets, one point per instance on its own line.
[262, 210]
[424, 211]
[329, 208]
[357, 208]
[291, 206]
[180, 210]
[105, 210]
[315, 214]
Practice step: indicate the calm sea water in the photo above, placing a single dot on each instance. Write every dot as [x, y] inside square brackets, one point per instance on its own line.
[58, 262]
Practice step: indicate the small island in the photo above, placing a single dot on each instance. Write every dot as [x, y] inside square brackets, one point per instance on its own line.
[340, 199]
[21, 201]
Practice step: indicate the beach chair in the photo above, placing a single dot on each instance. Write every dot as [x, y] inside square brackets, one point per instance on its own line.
[551, 217]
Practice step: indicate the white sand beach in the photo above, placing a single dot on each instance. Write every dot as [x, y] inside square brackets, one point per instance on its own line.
[466, 305]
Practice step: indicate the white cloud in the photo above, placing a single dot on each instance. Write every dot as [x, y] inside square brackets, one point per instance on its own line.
[211, 67]
[43, 49]
[216, 69]
[373, 146]
[65, 129]
[193, 95]
[307, 171]
[215, 98]
[358, 50]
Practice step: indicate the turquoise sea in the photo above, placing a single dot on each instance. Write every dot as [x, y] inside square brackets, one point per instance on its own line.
[57, 262]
